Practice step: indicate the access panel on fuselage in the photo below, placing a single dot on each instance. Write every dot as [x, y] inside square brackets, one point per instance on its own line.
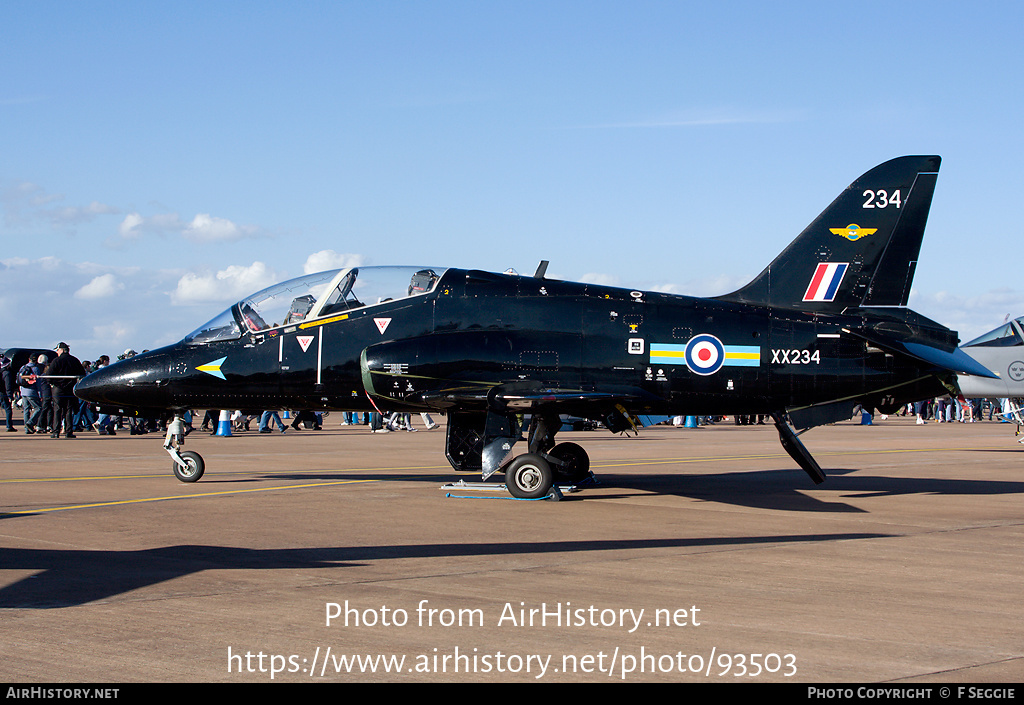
[548, 339]
[616, 329]
[298, 355]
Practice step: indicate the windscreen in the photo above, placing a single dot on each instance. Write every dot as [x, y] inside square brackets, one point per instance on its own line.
[1002, 337]
[315, 296]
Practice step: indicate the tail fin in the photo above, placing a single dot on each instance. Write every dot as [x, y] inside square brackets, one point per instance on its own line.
[861, 251]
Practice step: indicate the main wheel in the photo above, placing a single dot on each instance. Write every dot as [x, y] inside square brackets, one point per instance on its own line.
[529, 477]
[194, 467]
[577, 462]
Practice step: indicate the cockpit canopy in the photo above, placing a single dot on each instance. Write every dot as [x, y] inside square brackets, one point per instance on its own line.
[1006, 335]
[316, 296]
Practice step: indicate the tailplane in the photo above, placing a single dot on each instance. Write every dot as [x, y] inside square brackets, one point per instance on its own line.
[861, 251]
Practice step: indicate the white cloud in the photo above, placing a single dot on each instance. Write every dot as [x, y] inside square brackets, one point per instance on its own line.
[49, 263]
[203, 228]
[227, 285]
[711, 286]
[113, 334]
[707, 286]
[207, 228]
[129, 227]
[25, 203]
[49, 299]
[329, 259]
[668, 288]
[101, 287]
[970, 316]
[70, 215]
[600, 279]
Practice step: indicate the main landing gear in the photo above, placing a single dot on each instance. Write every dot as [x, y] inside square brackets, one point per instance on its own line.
[532, 475]
[528, 476]
[188, 466]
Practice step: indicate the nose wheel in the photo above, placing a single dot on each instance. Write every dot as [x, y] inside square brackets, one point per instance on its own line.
[191, 467]
[188, 466]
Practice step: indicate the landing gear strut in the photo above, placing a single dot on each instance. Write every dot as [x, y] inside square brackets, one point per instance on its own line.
[568, 461]
[188, 466]
[528, 476]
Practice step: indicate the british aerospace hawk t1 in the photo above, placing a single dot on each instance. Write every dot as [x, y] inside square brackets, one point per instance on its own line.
[823, 327]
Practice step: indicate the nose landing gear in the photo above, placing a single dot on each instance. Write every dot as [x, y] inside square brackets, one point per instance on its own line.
[188, 466]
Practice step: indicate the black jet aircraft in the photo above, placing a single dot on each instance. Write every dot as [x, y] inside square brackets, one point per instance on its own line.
[822, 328]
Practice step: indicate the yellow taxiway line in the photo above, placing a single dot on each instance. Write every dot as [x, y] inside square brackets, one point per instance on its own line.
[184, 496]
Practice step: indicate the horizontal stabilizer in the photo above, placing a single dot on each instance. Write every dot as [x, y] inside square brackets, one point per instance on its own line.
[954, 360]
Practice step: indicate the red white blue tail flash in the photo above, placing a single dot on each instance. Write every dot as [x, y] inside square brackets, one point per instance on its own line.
[825, 282]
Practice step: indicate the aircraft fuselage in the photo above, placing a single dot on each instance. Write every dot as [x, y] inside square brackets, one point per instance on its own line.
[476, 331]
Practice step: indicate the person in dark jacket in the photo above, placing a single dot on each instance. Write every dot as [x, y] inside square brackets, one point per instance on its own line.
[62, 374]
[6, 389]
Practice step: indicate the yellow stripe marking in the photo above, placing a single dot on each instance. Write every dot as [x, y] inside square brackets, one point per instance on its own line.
[314, 324]
[183, 496]
[161, 475]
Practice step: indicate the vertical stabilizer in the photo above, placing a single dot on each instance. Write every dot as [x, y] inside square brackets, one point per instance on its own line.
[861, 251]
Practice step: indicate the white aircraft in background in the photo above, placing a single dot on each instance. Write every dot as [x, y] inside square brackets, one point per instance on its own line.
[1001, 351]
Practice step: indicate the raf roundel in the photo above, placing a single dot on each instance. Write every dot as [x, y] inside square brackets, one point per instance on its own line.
[704, 354]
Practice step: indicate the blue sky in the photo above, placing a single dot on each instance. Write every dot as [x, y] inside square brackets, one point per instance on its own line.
[160, 160]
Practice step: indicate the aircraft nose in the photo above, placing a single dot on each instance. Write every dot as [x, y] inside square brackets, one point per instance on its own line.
[97, 386]
[138, 382]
